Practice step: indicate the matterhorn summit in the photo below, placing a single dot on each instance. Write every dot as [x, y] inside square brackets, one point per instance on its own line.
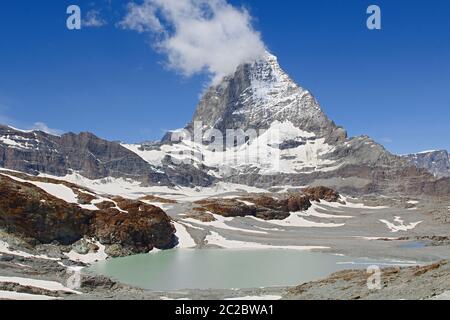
[257, 95]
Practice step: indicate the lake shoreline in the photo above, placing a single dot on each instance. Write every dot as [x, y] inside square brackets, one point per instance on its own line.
[231, 269]
[97, 287]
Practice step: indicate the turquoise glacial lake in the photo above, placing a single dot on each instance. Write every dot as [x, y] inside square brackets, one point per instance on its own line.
[224, 269]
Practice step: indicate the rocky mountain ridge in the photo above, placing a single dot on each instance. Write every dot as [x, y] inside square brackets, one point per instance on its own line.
[437, 162]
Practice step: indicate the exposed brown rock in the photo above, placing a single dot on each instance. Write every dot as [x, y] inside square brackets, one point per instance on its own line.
[322, 193]
[105, 205]
[41, 218]
[129, 205]
[140, 231]
[200, 214]
[422, 270]
[298, 202]
[85, 198]
[75, 188]
[157, 199]
[263, 206]
[228, 207]
[38, 216]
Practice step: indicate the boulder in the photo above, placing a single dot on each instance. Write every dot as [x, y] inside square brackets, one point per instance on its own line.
[322, 193]
[261, 206]
[140, 231]
[29, 211]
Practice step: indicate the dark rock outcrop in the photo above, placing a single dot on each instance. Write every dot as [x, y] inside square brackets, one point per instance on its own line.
[141, 228]
[260, 206]
[322, 193]
[152, 198]
[40, 218]
[94, 158]
[227, 207]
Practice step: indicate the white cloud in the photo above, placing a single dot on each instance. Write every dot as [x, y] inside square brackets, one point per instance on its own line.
[93, 19]
[197, 35]
[40, 126]
[141, 18]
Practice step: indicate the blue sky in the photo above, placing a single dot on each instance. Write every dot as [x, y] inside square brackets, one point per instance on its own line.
[393, 84]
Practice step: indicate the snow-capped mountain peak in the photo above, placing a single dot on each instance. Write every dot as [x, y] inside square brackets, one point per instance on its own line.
[271, 87]
[258, 94]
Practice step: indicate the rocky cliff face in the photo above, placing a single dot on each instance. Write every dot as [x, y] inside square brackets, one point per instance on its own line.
[28, 211]
[37, 216]
[436, 162]
[94, 158]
